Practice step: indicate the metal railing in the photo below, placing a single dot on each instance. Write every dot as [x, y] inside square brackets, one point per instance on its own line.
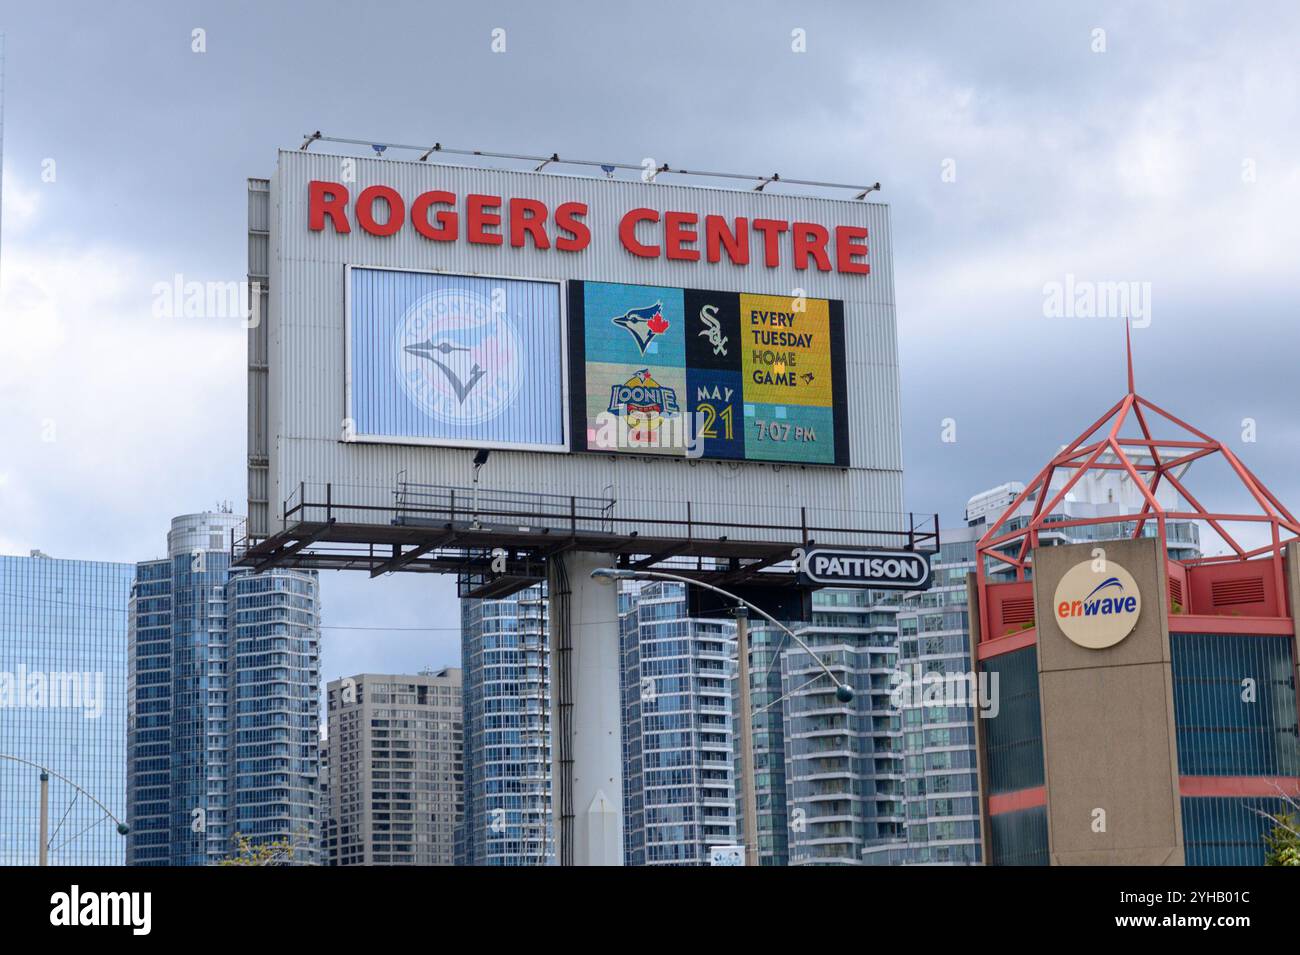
[426, 503]
[410, 504]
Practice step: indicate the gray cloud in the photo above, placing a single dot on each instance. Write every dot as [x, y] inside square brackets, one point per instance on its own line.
[1123, 165]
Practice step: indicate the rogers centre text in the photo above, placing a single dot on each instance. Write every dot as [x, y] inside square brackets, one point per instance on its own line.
[441, 216]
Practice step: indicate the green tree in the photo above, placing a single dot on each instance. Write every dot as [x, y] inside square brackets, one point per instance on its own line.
[1283, 843]
[247, 852]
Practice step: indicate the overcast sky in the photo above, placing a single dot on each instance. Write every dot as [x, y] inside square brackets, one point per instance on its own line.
[1016, 144]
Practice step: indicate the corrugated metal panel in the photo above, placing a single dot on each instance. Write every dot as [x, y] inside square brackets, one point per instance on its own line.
[259, 265]
[306, 401]
[259, 209]
[258, 255]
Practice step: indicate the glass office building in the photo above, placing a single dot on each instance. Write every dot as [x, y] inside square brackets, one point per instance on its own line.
[843, 766]
[941, 784]
[678, 790]
[631, 694]
[505, 673]
[223, 697]
[63, 656]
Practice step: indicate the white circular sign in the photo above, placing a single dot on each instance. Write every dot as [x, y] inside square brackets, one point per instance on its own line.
[1097, 608]
[458, 358]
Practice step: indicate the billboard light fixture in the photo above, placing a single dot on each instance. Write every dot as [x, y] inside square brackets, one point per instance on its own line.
[862, 191]
[480, 459]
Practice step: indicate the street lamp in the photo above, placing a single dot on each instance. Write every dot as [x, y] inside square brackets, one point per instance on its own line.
[46, 773]
[843, 692]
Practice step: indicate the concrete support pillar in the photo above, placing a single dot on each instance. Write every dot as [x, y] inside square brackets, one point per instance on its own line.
[586, 713]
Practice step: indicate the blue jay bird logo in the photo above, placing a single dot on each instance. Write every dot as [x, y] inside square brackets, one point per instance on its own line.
[457, 358]
[643, 324]
[446, 349]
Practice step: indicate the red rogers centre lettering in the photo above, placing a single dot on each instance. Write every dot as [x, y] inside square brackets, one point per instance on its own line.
[441, 216]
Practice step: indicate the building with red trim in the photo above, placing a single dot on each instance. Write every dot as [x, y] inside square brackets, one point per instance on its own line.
[1146, 705]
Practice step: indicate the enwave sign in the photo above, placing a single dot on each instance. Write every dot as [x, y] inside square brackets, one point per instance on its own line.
[1097, 604]
[871, 569]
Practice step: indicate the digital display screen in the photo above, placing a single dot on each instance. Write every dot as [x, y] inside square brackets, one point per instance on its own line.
[697, 373]
[476, 361]
[456, 360]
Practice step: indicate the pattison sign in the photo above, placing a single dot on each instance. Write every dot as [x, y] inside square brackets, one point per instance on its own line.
[1097, 604]
[874, 569]
[516, 222]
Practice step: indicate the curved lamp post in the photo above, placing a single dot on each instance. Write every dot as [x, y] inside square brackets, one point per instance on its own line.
[843, 692]
[46, 773]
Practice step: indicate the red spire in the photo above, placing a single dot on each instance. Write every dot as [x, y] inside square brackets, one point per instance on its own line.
[1128, 344]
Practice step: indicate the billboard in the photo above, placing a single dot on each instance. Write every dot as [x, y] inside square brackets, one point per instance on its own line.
[416, 313]
[707, 374]
[454, 360]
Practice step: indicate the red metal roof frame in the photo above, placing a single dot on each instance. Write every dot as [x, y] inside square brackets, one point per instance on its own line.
[1100, 448]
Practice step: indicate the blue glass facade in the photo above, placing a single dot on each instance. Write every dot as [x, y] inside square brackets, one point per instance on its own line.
[1019, 838]
[63, 660]
[222, 703]
[766, 643]
[1013, 743]
[630, 692]
[1235, 705]
[505, 669]
[679, 799]
[1227, 830]
[149, 719]
[1014, 738]
[273, 628]
[844, 775]
[938, 735]
[1235, 715]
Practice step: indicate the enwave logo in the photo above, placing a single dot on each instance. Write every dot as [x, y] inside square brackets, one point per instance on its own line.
[1097, 607]
[1092, 604]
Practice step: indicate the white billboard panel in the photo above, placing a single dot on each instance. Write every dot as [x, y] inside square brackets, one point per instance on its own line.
[455, 360]
[418, 313]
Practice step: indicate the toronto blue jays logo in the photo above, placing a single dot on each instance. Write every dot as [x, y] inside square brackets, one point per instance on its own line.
[458, 356]
[643, 324]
